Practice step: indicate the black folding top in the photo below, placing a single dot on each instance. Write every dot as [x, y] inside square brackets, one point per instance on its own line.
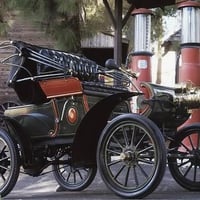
[32, 64]
[40, 62]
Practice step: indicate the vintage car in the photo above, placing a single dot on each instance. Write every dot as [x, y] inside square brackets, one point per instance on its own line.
[76, 116]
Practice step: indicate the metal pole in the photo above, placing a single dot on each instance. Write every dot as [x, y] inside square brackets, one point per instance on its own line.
[118, 32]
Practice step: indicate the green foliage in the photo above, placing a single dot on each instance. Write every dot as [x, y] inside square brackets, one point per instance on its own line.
[59, 18]
[3, 29]
[67, 21]
[68, 6]
[3, 24]
[157, 20]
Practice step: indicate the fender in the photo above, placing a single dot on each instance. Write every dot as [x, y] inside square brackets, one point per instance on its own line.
[192, 126]
[86, 138]
[17, 133]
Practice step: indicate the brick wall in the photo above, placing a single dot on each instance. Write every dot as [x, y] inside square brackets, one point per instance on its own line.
[20, 29]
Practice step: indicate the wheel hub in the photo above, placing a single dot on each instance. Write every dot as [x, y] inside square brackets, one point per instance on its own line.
[129, 156]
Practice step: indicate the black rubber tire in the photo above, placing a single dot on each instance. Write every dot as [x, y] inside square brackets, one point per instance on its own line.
[9, 163]
[131, 169]
[73, 179]
[184, 157]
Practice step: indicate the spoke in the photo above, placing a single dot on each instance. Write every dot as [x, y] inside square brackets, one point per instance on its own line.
[185, 147]
[113, 151]
[62, 171]
[74, 176]
[114, 162]
[62, 168]
[195, 173]
[146, 161]
[4, 108]
[80, 175]
[2, 176]
[187, 171]
[5, 158]
[146, 149]
[125, 137]
[142, 170]
[127, 176]
[68, 177]
[183, 163]
[3, 167]
[3, 149]
[86, 169]
[135, 175]
[190, 140]
[140, 140]
[132, 137]
[119, 172]
[117, 142]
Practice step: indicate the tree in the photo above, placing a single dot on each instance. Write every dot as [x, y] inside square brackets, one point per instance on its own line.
[65, 21]
[157, 34]
[3, 23]
[59, 19]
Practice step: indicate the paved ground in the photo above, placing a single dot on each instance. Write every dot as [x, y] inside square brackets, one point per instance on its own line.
[44, 188]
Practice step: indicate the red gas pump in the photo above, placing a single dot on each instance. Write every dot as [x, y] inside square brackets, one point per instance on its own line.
[141, 54]
[189, 70]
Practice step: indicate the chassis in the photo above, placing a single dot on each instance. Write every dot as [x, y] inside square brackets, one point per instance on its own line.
[76, 117]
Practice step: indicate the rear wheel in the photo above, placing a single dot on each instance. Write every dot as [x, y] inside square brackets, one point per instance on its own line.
[9, 163]
[184, 157]
[131, 156]
[73, 179]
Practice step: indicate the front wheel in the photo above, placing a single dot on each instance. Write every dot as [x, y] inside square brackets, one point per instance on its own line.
[71, 178]
[184, 157]
[9, 163]
[131, 156]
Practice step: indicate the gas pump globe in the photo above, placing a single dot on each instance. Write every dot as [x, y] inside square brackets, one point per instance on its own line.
[141, 54]
[142, 30]
[190, 16]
